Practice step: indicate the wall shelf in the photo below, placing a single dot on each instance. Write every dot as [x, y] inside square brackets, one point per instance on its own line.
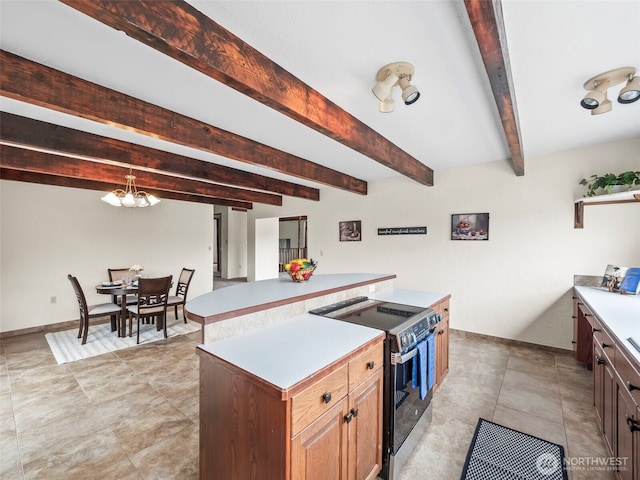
[632, 196]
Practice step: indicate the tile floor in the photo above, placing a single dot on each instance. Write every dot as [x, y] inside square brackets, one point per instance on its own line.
[133, 414]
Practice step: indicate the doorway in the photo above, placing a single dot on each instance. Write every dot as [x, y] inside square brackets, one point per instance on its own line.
[292, 239]
[217, 250]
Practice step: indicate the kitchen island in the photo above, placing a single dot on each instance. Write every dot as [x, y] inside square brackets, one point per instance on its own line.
[275, 401]
[249, 306]
[289, 395]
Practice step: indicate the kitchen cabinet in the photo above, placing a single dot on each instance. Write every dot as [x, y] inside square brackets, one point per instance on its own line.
[442, 342]
[349, 435]
[616, 380]
[583, 334]
[327, 426]
[604, 389]
[628, 418]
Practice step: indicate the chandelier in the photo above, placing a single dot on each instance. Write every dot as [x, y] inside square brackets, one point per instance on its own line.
[130, 197]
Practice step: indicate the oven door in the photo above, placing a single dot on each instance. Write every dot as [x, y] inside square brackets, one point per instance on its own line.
[408, 407]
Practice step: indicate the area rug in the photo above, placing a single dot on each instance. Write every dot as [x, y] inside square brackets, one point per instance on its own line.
[500, 453]
[66, 346]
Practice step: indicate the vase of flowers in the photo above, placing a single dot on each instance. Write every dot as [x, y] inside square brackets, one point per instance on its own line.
[137, 269]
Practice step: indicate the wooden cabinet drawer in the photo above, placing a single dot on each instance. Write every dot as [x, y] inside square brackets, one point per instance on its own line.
[586, 313]
[629, 376]
[365, 364]
[604, 340]
[318, 398]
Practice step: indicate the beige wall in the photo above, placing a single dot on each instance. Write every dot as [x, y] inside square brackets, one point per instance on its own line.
[48, 232]
[518, 284]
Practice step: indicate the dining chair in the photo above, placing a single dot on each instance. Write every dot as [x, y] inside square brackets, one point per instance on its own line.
[152, 303]
[88, 312]
[180, 298]
[119, 274]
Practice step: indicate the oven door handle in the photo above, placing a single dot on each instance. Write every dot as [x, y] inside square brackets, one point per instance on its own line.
[397, 359]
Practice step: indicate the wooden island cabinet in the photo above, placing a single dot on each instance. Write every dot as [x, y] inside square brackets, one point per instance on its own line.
[442, 341]
[604, 322]
[324, 422]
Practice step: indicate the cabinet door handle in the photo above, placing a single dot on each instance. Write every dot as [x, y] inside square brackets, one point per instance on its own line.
[599, 361]
[605, 345]
[446, 309]
[633, 426]
[326, 398]
[631, 387]
[588, 315]
[354, 411]
[574, 342]
[348, 417]
[371, 364]
[441, 332]
[594, 330]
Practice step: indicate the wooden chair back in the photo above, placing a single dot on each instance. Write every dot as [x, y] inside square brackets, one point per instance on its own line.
[153, 294]
[120, 273]
[183, 282]
[82, 301]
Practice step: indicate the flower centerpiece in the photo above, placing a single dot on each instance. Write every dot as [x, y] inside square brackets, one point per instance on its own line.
[136, 268]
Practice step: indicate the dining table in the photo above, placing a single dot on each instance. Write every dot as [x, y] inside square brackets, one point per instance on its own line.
[122, 290]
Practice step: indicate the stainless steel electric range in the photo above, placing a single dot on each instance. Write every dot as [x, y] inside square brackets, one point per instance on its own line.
[407, 401]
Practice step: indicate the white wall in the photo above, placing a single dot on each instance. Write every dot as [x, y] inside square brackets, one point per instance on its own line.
[517, 284]
[48, 232]
[234, 243]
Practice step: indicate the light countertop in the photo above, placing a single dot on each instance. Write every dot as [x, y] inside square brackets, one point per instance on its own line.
[288, 353]
[261, 295]
[409, 297]
[620, 313]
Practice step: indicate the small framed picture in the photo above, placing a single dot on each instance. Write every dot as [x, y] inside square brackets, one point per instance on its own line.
[350, 231]
[470, 226]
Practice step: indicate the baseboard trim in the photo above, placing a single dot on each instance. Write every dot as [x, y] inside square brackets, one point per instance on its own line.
[509, 341]
[52, 327]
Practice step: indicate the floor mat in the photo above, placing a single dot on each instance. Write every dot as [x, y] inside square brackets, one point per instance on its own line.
[66, 346]
[501, 453]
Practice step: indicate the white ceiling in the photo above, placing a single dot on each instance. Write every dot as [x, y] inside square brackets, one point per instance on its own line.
[337, 47]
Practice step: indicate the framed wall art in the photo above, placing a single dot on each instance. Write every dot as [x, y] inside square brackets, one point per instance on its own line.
[470, 226]
[350, 231]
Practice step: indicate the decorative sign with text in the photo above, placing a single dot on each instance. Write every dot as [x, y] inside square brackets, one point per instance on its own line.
[402, 231]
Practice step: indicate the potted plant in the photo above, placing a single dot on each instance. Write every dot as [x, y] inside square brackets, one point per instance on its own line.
[611, 182]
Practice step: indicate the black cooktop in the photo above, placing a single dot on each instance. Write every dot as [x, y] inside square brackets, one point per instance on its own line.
[370, 313]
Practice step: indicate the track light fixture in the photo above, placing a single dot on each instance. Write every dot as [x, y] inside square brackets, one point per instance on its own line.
[596, 98]
[397, 73]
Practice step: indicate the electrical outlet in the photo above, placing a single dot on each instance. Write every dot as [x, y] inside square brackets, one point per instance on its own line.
[54, 299]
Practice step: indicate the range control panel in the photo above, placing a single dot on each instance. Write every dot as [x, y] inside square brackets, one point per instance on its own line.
[413, 334]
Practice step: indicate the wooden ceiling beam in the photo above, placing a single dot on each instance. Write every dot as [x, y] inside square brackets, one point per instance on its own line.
[209, 48]
[34, 133]
[46, 179]
[37, 84]
[17, 158]
[488, 27]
